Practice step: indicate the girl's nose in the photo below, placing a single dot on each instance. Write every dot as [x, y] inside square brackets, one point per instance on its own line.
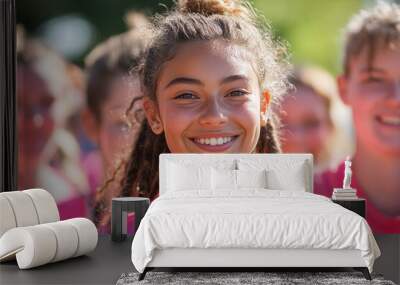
[397, 90]
[213, 115]
[394, 97]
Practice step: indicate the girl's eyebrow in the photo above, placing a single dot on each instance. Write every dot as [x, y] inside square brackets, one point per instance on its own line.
[372, 69]
[184, 80]
[188, 80]
[234, 78]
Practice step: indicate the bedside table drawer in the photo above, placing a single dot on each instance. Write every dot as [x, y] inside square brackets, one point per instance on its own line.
[356, 206]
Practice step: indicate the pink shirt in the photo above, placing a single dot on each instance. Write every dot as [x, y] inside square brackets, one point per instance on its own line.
[379, 222]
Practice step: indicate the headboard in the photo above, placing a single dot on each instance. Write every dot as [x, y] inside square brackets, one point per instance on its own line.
[235, 161]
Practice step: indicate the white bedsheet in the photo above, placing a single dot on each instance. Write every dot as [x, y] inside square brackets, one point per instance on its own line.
[252, 218]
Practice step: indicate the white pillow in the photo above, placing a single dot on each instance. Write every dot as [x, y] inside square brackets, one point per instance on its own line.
[251, 178]
[236, 179]
[293, 180]
[282, 174]
[224, 179]
[183, 177]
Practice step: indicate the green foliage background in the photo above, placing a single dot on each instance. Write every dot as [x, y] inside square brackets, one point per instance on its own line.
[312, 28]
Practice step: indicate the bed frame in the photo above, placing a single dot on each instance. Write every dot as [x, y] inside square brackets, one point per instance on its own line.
[250, 259]
[234, 259]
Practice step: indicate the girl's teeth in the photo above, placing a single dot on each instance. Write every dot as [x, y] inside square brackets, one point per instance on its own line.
[391, 120]
[214, 141]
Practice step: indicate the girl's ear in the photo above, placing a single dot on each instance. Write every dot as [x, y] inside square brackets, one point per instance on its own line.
[90, 125]
[342, 88]
[265, 108]
[152, 116]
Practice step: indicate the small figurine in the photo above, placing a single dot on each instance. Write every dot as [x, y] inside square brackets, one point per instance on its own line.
[347, 174]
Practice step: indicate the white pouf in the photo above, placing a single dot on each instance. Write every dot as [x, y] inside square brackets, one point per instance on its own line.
[40, 244]
[67, 240]
[7, 218]
[87, 234]
[23, 208]
[26, 208]
[32, 246]
[46, 207]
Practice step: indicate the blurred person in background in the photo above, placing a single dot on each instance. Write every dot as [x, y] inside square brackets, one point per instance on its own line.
[370, 85]
[60, 170]
[49, 154]
[309, 121]
[35, 122]
[112, 83]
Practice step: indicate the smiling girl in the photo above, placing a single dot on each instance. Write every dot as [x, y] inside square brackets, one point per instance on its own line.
[209, 78]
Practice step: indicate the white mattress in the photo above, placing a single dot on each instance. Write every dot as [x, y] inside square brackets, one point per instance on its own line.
[252, 218]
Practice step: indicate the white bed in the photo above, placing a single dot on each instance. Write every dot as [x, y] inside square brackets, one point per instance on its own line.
[200, 223]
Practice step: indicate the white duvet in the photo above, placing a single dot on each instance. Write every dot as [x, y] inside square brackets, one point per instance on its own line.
[252, 218]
